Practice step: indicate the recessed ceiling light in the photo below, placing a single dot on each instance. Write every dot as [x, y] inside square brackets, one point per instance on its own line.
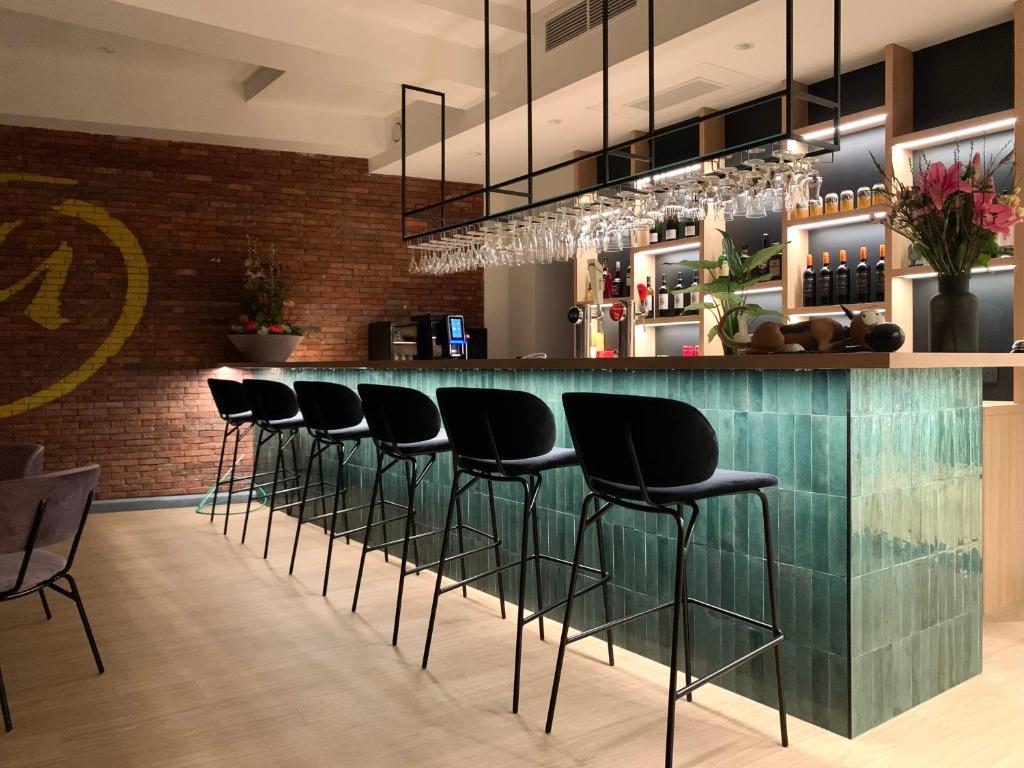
[744, 46]
[554, 121]
[105, 49]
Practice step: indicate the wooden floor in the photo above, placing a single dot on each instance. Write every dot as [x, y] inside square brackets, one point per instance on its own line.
[216, 657]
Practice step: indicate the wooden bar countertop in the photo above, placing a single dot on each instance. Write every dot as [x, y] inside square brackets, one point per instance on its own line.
[786, 362]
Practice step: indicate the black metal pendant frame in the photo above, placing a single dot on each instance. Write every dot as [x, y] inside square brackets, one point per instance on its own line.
[435, 218]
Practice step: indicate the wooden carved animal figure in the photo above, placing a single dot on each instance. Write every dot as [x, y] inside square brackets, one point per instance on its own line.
[860, 324]
[819, 334]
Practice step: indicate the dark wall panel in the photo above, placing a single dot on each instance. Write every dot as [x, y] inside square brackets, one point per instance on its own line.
[862, 89]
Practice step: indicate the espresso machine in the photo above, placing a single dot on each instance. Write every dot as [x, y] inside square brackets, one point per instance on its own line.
[427, 337]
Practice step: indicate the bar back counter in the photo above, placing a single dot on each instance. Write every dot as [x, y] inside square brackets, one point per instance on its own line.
[877, 516]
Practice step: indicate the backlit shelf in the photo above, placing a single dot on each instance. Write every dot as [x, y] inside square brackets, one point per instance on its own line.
[870, 214]
[923, 271]
[832, 309]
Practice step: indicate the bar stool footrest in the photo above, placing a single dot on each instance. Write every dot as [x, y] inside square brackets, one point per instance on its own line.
[688, 689]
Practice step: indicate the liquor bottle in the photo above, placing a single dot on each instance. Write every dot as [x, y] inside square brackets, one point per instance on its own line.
[606, 278]
[762, 271]
[842, 280]
[671, 227]
[627, 287]
[775, 265]
[810, 283]
[744, 255]
[825, 282]
[649, 301]
[677, 301]
[652, 235]
[663, 299]
[862, 283]
[617, 281]
[880, 275]
[691, 297]
[690, 229]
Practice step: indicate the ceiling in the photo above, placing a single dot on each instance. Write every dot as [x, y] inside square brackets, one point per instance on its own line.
[324, 75]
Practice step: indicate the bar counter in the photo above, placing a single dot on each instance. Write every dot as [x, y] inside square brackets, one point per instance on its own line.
[878, 515]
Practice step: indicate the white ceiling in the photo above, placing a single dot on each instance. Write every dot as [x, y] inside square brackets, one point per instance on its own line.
[325, 75]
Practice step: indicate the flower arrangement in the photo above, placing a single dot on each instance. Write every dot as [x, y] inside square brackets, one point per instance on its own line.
[953, 215]
[728, 279]
[264, 296]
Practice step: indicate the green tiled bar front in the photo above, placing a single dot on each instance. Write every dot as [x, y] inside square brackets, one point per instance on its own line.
[876, 526]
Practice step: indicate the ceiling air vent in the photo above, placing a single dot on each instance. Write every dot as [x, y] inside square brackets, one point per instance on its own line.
[569, 24]
[579, 18]
[615, 7]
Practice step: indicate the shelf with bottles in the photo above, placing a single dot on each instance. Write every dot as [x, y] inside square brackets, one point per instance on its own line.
[872, 213]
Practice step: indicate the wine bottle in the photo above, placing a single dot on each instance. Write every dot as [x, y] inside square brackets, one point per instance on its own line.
[744, 256]
[606, 278]
[842, 280]
[880, 275]
[671, 227]
[691, 298]
[677, 305]
[810, 283]
[652, 236]
[862, 292]
[663, 299]
[617, 281]
[825, 282]
[775, 265]
[627, 287]
[690, 229]
[763, 269]
[649, 301]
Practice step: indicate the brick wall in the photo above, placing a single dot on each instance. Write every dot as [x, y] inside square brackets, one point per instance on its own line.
[69, 280]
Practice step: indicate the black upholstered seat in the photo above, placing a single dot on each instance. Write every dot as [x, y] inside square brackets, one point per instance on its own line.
[358, 432]
[721, 483]
[438, 442]
[556, 458]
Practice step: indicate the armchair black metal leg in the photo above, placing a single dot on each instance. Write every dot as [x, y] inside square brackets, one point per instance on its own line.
[331, 536]
[220, 468]
[279, 469]
[260, 440]
[313, 452]
[605, 597]
[538, 584]
[440, 569]
[567, 617]
[776, 630]
[46, 605]
[497, 547]
[5, 709]
[368, 531]
[410, 471]
[231, 479]
[77, 597]
[673, 673]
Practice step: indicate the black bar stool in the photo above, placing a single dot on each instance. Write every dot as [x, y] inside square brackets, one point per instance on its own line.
[233, 409]
[334, 419]
[276, 413]
[405, 426]
[628, 462]
[505, 436]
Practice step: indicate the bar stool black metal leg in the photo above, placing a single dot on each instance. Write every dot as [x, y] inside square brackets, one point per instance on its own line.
[410, 472]
[368, 531]
[279, 469]
[4, 707]
[313, 451]
[687, 629]
[521, 598]
[334, 525]
[339, 480]
[673, 673]
[567, 617]
[773, 600]
[538, 584]
[497, 547]
[605, 598]
[231, 479]
[260, 440]
[442, 559]
[293, 495]
[462, 542]
[323, 483]
[220, 468]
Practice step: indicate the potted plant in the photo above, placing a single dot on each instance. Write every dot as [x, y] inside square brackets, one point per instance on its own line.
[728, 279]
[954, 217]
[261, 334]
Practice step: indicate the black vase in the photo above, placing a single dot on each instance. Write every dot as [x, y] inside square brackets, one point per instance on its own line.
[953, 317]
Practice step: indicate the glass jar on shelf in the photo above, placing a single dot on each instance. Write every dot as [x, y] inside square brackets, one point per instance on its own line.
[864, 197]
[831, 203]
[846, 200]
[800, 210]
[815, 206]
[878, 194]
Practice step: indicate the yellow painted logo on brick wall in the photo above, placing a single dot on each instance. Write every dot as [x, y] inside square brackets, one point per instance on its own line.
[48, 281]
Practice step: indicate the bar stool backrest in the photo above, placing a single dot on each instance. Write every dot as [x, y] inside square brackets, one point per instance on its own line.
[66, 495]
[270, 400]
[327, 406]
[228, 396]
[496, 424]
[399, 414]
[627, 441]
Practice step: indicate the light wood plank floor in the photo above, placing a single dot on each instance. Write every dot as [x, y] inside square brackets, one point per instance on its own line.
[218, 658]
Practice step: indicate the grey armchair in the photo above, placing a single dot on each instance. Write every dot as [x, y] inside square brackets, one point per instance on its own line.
[20, 460]
[37, 513]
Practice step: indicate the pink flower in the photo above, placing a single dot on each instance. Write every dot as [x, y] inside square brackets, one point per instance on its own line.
[938, 183]
[993, 216]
